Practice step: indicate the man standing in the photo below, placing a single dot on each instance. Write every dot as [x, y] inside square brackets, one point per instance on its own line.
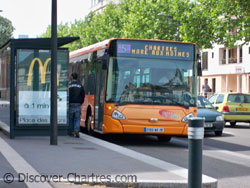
[76, 99]
[205, 88]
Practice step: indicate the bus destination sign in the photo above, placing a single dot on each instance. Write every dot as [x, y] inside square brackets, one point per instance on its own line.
[155, 49]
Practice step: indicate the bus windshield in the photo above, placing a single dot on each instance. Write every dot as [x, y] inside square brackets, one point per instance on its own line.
[150, 81]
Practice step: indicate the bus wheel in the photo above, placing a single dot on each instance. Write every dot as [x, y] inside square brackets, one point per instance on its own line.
[83, 129]
[164, 138]
[89, 129]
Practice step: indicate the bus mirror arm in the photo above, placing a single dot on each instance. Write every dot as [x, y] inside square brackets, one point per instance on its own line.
[105, 59]
[104, 65]
[199, 70]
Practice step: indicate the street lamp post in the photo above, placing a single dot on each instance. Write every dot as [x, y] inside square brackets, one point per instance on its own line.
[178, 24]
[53, 108]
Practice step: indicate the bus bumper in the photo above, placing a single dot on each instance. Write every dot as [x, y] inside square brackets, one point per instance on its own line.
[114, 126]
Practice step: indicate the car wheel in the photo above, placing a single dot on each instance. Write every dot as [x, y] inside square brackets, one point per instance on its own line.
[164, 138]
[218, 133]
[233, 123]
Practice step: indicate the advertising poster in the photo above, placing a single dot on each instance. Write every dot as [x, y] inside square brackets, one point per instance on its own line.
[34, 107]
[34, 86]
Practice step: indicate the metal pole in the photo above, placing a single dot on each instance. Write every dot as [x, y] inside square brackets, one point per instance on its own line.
[13, 89]
[53, 109]
[195, 142]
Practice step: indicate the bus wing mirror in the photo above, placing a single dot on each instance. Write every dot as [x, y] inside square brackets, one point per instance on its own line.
[199, 70]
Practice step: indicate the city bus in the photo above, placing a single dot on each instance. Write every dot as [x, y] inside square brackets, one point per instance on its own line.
[136, 86]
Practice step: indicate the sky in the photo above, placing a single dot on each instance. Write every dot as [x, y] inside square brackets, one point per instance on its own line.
[32, 17]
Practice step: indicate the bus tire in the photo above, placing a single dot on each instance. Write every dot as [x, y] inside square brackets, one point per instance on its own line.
[164, 138]
[83, 129]
[89, 129]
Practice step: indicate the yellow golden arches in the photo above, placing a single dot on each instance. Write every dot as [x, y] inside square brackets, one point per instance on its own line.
[42, 69]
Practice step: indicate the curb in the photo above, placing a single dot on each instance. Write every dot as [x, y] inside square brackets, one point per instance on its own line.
[140, 184]
[208, 182]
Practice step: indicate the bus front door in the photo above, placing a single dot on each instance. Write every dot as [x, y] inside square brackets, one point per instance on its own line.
[99, 96]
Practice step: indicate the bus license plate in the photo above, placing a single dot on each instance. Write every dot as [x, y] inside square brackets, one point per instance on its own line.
[208, 125]
[153, 130]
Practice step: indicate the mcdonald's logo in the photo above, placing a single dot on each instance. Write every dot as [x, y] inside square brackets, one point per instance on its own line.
[42, 68]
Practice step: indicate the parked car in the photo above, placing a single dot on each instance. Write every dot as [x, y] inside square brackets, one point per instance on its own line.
[235, 107]
[214, 121]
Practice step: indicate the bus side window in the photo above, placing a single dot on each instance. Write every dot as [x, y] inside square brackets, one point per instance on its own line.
[92, 71]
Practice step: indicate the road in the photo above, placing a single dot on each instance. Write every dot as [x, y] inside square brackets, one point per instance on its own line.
[226, 158]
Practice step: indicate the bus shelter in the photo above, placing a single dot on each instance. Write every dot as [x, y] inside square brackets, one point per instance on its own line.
[25, 85]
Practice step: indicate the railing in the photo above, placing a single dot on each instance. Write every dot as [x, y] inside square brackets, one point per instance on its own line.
[232, 60]
[223, 61]
[206, 94]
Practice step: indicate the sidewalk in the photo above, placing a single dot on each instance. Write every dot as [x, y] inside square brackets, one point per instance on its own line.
[91, 160]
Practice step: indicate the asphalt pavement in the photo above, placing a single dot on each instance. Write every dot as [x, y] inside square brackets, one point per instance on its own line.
[83, 162]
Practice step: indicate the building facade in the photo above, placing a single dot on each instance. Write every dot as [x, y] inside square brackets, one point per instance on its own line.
[226, 69]
[99, 5]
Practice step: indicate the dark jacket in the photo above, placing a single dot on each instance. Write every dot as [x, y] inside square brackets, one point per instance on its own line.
[76, 92]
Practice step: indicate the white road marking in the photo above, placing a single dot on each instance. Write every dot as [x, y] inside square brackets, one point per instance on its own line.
[20, 165]
[5, 127]
[183, 172]
[224, 154]
[226, 132]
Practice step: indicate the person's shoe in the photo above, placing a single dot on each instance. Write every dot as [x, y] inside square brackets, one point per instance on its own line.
[71, 134]
[77, 135]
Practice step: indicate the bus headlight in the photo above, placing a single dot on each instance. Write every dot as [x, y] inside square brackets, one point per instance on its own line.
[219, 118]
[185, 119]
[117, 115]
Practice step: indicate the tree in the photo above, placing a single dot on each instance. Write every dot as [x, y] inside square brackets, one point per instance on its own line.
[6, 30]
[204, 22]
[228, 15]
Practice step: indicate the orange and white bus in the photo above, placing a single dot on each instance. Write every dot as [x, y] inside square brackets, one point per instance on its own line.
[137, 86]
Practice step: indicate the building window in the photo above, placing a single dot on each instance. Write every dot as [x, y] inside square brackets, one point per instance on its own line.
[249, 50]
[232, 55]
[241, 54]
[223, 60]
[204, 60]
[212, 54]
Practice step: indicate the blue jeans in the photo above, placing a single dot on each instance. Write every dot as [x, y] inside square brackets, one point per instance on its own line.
[74, 117]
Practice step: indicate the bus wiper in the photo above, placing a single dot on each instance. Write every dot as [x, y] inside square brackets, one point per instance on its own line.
[180, 104]
[122, 103]
[136, 102]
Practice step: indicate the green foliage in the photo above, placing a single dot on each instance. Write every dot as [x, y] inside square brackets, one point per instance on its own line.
[227, 15]
[6, 30]
[204, 22]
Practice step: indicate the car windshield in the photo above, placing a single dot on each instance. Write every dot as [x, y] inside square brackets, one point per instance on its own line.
[202, 102]
[151, 81]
